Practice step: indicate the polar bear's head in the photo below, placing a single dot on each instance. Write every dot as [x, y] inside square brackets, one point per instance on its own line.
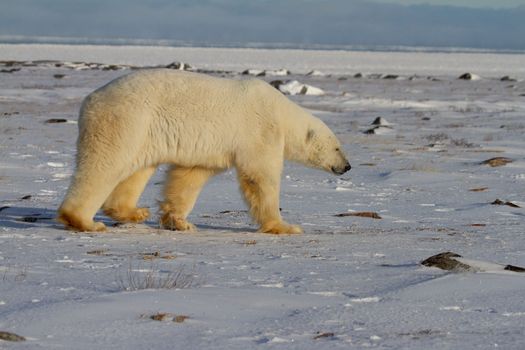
[324, 151]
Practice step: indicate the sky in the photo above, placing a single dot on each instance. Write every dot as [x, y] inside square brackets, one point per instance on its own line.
[481, 24]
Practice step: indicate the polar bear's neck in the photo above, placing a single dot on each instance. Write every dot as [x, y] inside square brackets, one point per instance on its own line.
[296, 123]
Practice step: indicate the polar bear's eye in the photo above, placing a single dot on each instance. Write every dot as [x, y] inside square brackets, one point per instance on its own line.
[337, 149]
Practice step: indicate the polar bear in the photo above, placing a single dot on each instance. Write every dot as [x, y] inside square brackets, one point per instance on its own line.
[201, 125]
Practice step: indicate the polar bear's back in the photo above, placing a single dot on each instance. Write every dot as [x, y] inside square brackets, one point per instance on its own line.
[181, 117]
[166, 87]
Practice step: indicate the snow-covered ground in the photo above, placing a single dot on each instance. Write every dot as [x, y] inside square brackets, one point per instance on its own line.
[348, 282]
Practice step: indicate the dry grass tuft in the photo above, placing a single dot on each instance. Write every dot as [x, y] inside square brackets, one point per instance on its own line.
[16, 274]
[157, 255]
[153, 278]
[497, 161]
[479, 189]
[166, 316]
[363, 214]
[321, 335]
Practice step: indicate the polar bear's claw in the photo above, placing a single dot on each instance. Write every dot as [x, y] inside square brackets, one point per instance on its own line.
[134, 215]
[281, 228]
[176, 224]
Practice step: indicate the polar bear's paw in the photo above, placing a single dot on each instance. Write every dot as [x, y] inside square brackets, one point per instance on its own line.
[98, 227]
[75, 222]
[282, 227]
[171, 222]
[134, 215]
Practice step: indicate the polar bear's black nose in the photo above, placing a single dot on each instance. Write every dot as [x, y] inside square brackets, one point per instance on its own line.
[341, 171]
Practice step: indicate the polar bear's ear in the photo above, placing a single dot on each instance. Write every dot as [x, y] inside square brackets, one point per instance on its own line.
[310, 135]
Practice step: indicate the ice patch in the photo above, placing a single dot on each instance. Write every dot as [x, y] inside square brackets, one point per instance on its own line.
[294, 87]
[366, 300]
[513, 314]
[48, 192]
[279, 340]
[277, 72]
[451, 308]
[272, 285]
[56, 164]
[326, 294]
[388, 103]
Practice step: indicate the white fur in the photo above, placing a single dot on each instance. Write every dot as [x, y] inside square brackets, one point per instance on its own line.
[200, 124]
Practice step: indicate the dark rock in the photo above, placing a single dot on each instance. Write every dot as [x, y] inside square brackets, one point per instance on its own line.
[10, 70]
[378, 129]
[446, 261]
[276, 83]
[10, 63]
[390, 76]
[500, 202]
[55, 121]
[507, 78]
[358, 75]
[10, 113]
[380, 121]
[8, 336]
[59, 76]
[256, 72]
[111, 67]
[514, 268]
[179, 66]
[468, 76]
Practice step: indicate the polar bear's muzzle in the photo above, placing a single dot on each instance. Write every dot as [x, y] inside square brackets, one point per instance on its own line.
[341, 170]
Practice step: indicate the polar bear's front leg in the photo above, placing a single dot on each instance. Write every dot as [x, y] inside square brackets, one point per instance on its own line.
[183, 186]
[261, 191]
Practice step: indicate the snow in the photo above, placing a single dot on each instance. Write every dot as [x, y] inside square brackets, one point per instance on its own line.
[294, 87]
[347, 282]
[297, 61]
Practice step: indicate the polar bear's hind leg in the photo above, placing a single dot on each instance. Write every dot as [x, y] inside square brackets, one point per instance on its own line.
[85, 196]
[121, 205]
[183, 186]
